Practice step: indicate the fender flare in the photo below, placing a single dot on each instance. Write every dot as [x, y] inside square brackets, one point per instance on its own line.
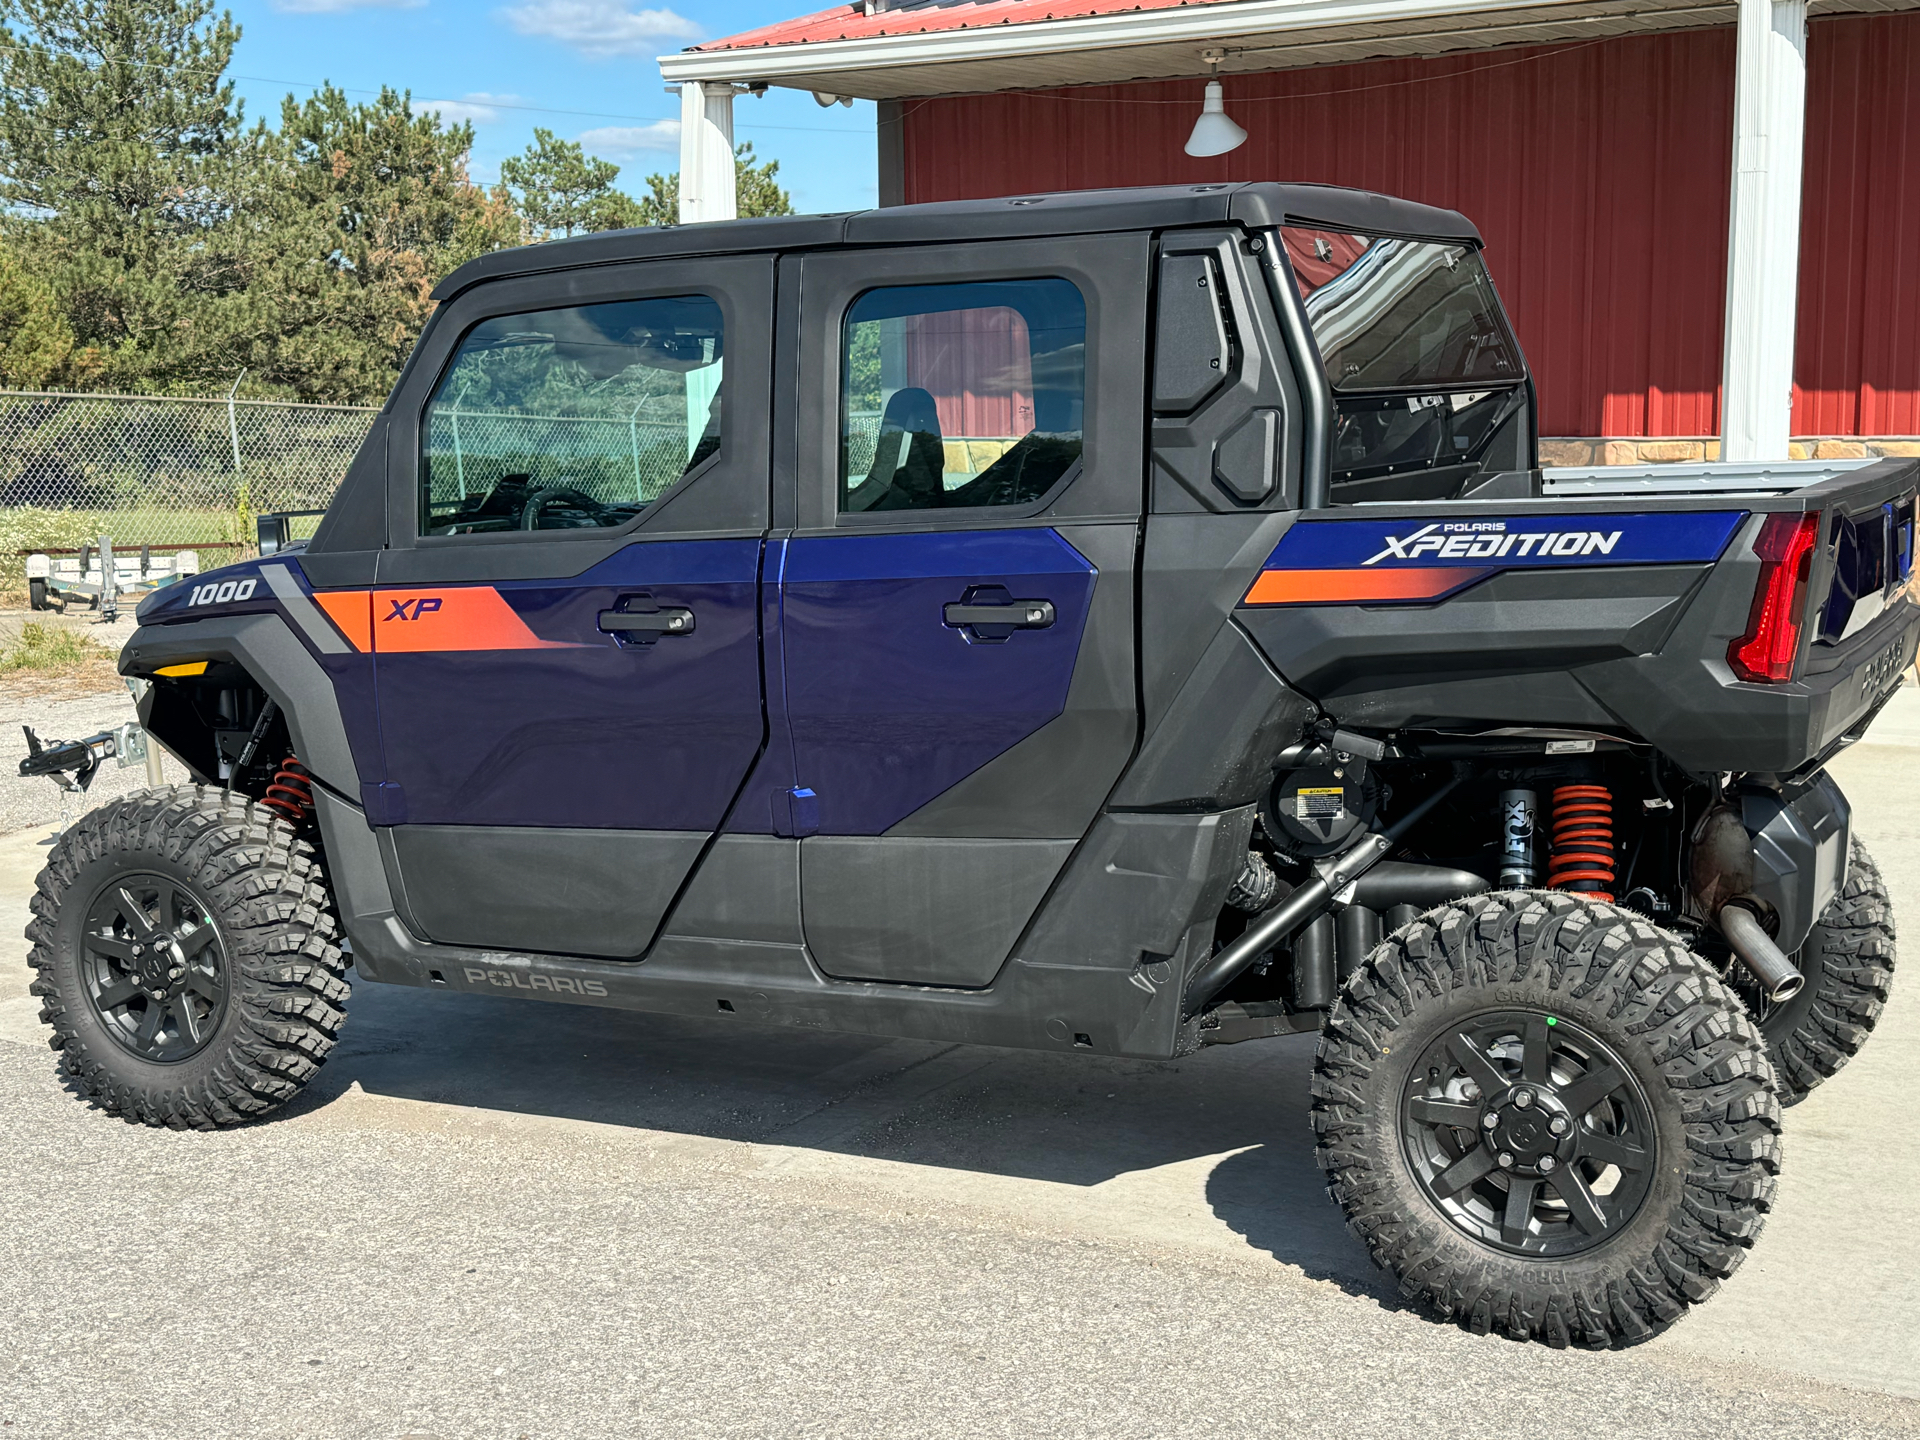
[268, 650]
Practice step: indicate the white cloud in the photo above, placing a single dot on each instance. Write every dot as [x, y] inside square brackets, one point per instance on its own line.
[623, 142]
[598, 27]
[477, 106]
[341, 7]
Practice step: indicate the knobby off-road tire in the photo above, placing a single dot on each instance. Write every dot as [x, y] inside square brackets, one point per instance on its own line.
[1658, 1095]
[185, 944]
[1849, 962]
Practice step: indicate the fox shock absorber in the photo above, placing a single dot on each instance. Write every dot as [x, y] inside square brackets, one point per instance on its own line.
[1518, 812]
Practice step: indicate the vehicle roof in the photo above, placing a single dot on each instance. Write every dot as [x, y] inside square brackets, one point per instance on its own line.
[1255, 204]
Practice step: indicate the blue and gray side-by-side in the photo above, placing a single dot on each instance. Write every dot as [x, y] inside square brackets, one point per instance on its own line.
[992, 774]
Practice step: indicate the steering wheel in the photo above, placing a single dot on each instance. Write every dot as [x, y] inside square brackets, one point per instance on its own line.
[546, 496]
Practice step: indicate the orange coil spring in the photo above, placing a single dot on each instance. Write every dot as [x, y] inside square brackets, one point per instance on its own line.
[291, 791]
[1582, 857]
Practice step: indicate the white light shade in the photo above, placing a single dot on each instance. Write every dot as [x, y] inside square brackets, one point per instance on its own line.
[1214, 133]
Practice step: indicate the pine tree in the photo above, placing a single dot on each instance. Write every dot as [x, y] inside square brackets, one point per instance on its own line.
[562, 190]
[359, 210]
[36, 343]
[119, 143]
[756, 192]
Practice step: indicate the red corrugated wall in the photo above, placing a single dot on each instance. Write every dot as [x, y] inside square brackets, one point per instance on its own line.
[1598, 173]
[1857, 353]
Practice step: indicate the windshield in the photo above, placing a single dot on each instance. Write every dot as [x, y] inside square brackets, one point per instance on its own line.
[1395, 314]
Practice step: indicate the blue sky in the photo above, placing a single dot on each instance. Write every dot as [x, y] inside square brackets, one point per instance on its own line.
[582, 68]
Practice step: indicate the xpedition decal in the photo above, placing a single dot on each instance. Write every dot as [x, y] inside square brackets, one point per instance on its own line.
[1402, 561]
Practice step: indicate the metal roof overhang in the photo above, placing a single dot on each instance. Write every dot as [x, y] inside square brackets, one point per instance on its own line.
[1254, 35]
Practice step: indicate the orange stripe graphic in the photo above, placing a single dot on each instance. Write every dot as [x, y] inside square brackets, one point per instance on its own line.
[1357, 587]
[469, 617]
[460, 618]
[353, 612]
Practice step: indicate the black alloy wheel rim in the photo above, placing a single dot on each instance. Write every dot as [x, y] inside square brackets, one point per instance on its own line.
[1529, 1133]
[154, 966]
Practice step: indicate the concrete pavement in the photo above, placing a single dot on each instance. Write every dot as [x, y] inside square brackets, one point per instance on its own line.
[493, 1217]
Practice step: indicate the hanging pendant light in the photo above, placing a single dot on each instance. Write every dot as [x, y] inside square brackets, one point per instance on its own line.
[1214, 133]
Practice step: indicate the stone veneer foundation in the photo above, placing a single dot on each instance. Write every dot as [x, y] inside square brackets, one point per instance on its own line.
[1653, 450]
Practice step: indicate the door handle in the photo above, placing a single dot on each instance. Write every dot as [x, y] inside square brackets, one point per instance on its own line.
[1021, 614]
[668, 620]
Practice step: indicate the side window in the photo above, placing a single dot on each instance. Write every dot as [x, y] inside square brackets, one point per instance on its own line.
[573, 418]
[960, 395]
[1424, 372]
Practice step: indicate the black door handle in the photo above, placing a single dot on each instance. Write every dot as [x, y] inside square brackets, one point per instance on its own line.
[1021, 614]
[668, 620]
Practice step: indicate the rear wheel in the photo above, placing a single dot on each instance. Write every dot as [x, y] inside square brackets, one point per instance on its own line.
[185, 947]
[36, 593]
[1547, 1118]
[1848, 959]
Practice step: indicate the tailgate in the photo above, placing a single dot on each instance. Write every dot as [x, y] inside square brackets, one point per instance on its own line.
[1708, 697]
[1551, 612]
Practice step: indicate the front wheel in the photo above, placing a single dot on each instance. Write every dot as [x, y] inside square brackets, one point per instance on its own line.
[184, 942]
[1548, 1118]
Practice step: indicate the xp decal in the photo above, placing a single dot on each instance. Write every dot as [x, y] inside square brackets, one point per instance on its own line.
[1375, 562]
[472, 617]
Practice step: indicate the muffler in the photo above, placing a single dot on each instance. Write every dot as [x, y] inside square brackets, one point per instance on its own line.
[1750, 941]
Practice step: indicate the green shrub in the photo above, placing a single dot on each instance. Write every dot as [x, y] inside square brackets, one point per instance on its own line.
[46, 647]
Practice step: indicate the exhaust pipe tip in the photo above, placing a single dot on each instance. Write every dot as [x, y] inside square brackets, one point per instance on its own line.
[1788, 989]
[1751, 943]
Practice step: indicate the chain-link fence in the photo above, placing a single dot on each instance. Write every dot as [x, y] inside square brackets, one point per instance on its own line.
[163, 471]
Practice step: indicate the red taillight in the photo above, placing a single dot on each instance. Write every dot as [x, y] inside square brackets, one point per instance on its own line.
[1786, 546]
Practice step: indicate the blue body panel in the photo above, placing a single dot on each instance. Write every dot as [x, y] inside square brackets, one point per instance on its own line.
[592, 733]
[885, 704]
[1494, 543]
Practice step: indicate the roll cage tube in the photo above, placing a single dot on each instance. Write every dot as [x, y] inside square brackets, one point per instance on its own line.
[1317, 394]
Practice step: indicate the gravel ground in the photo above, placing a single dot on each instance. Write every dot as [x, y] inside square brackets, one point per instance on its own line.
[63, 708]
[36, 801]
[400, 1270]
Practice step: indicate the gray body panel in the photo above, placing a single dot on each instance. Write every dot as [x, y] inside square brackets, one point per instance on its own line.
[924, 910]
[571, 892]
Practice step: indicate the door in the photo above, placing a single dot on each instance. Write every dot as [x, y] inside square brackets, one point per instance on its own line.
[956, 613]
[566, 647]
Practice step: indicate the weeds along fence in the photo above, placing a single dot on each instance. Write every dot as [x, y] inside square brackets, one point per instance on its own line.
[163, 471]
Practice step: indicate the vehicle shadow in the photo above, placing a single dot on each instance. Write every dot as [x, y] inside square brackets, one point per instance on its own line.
[1070, 1119]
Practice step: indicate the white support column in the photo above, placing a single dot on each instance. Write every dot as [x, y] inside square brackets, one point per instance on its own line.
[706, 151]
[1764, 229]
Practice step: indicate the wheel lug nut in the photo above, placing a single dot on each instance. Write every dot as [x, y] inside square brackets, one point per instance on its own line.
[1546, 1163]
[1506, 1159]
[1558, 1125]
[1490, 1120]
[1524, 1098]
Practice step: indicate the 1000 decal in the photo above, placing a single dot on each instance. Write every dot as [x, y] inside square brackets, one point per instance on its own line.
[220, 592]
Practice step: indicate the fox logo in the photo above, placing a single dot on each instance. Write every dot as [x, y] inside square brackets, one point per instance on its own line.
[1428, 541]
[399, 609]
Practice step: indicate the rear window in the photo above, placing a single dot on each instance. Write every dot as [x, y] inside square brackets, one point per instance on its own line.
[1398, 314]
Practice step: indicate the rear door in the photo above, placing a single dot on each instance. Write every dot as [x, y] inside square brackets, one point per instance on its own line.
[566, 641]
[957, 601]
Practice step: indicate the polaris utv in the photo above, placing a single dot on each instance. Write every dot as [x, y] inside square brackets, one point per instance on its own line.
[1117, 622]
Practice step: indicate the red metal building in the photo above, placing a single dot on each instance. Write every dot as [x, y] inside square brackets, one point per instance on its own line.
[1599, 170]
